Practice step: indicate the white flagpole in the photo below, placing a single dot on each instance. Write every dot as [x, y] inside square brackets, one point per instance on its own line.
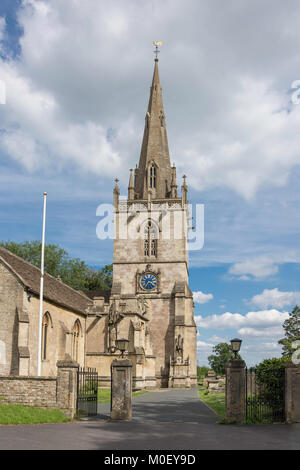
[41, 290]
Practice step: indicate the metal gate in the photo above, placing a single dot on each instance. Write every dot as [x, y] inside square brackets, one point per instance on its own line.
[87, 392]
[265, 403]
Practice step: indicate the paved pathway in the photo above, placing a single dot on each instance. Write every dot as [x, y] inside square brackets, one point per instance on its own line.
[167, 406]
[173, 419]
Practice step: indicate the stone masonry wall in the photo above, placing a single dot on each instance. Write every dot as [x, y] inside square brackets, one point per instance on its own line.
[59, 335]
[11, 300]
[29, 391]
[44, 392]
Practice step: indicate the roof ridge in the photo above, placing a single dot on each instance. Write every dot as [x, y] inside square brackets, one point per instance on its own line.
[62, 282]
[19, 257]
[13, 271]
[36, 268]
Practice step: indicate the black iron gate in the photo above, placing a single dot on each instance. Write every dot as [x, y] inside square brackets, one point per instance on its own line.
[87, 392]
[265, 402]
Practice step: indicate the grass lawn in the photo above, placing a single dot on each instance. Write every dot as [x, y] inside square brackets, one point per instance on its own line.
[104, 394]
[19, 414]
[216, 401]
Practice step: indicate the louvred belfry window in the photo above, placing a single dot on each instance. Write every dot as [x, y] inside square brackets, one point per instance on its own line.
[161, 117]
[153, 176]
[150, 242]
[146, 248]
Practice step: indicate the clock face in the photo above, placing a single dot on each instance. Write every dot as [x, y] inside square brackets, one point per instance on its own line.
[149, 281]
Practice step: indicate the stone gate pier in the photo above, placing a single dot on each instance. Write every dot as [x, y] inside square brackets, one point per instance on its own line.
[292, 392]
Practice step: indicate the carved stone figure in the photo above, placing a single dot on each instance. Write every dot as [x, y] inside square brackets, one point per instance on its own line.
[179, 348]
[143, 305]
[112, 337]
[114, 317]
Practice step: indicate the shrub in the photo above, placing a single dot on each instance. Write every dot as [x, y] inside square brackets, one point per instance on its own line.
[270, 379]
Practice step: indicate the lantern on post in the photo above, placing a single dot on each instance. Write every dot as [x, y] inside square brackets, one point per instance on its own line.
[122, 345]
[235, 346]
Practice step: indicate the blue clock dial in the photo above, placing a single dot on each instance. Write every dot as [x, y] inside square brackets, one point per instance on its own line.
[149, 281]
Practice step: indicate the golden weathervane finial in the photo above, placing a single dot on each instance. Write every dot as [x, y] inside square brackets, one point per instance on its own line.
[156, 44]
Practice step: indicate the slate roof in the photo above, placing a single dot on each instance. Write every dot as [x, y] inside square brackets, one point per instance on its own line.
[54, 290]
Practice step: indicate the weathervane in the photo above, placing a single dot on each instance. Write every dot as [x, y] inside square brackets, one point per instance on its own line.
[156, 44]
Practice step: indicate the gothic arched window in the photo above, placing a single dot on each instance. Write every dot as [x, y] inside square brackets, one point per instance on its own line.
[45, 335]
[150, 239]
[153, 175]
[75, 339]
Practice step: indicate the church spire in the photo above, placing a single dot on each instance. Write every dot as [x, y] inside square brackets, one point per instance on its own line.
[154, 171]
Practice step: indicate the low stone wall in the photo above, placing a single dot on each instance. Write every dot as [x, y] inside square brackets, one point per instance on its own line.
[29, 391]
[44, 392]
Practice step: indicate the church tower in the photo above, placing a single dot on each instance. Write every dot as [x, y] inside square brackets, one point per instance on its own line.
[151, 303]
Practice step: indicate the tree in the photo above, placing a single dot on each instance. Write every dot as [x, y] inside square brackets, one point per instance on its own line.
[269, 377]
[73, 271]
[222, 353]
[202, 371]
[101, 279]
[291, 328]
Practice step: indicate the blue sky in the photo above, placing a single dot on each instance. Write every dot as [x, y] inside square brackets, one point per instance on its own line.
[77, 78]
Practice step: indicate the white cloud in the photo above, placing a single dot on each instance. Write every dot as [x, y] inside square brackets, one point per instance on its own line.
[273, 331]
[49, 121]
[203, 346]
[271, 346]
[85, 71]
[218, 339]
[43, 138]
[201, 298]
[258, 268]
[260, 319]
[275, 298]
[204, 350]
[264, 347]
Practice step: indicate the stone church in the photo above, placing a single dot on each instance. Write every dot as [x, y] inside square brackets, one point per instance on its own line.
[150, 302]
[63, 323]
